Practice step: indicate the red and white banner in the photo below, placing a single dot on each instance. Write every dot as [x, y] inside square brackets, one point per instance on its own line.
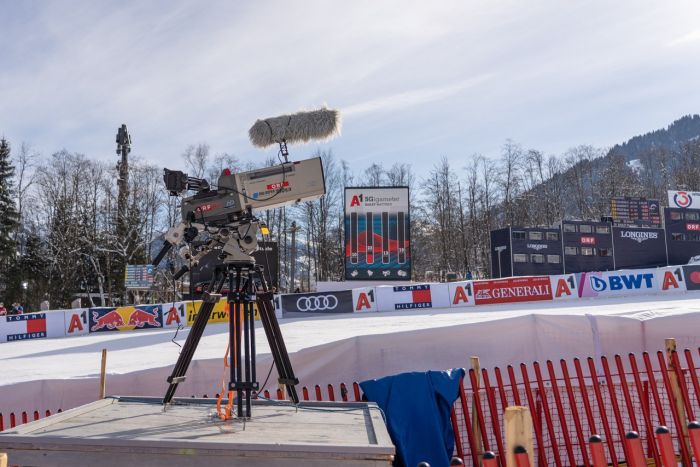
[175, 314]
[512, 290]
[406, 297]
[461, 294]
[75, 322]
[364, 299]
[671, 279]
[31, 326]
[564, 287]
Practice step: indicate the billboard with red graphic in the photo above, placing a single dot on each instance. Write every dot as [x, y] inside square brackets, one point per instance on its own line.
[511, 290]
[377, 234]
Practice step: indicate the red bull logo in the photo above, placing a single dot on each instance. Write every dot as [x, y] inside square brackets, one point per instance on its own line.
[125, 318]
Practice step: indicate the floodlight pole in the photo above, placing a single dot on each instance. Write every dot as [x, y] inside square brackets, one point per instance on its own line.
[123, 149]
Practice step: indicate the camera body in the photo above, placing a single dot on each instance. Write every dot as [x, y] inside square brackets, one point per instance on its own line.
[260, 189]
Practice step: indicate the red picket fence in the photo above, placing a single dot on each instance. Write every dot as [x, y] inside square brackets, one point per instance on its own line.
[571, 403]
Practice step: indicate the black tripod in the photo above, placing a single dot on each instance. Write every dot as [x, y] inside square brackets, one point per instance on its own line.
[242, 292]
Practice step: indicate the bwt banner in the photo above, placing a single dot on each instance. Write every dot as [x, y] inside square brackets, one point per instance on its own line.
[377, 234]
[461, 293]
[512, 290]
[684, 199]
[125, 318]
[318, 302]
[364, 299]
[603, 284]
[564, 287]
[406, 297]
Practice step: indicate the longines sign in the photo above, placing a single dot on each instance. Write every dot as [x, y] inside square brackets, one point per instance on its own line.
[639, 236]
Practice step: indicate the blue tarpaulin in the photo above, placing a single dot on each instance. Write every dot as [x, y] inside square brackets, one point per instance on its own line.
[417, 407]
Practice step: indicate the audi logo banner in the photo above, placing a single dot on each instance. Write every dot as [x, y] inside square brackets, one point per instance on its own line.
[318, 302]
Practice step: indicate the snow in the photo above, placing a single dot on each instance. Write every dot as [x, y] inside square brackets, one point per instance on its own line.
[53, 373]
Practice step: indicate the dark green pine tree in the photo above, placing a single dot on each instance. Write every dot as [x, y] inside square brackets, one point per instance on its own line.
[9, 217]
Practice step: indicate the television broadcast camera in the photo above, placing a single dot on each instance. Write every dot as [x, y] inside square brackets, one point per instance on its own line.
[222, 218]
[230, 207]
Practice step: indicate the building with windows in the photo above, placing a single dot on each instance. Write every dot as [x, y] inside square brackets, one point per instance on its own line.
[582, 246]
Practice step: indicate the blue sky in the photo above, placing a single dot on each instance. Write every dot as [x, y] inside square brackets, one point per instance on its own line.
[415, 81]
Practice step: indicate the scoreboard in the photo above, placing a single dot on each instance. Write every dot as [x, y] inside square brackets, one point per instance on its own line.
[627, 210]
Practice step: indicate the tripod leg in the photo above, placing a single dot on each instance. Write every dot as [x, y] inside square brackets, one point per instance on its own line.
[200, 322]
[274, 338]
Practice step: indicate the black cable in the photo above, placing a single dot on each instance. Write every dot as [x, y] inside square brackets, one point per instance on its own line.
[262, 388]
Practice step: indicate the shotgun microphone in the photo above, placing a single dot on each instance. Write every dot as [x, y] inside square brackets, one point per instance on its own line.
[299, 127]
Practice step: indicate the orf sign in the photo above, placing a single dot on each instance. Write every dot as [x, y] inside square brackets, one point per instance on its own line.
[515, 289]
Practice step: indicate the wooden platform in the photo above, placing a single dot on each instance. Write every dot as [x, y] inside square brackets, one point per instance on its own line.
[129, 431]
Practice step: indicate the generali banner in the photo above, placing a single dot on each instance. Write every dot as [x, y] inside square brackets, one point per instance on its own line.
[512, 290]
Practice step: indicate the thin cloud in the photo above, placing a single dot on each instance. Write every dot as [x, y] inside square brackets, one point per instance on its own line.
[414, 97]
[693, 36]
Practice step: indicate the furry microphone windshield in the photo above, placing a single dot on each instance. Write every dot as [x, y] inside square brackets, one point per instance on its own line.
[299, 127]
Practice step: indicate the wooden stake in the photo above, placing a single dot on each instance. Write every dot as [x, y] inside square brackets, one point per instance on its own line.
[103, 374]
[3, 459]
[675, 387]
[518, 428]
[478, 442]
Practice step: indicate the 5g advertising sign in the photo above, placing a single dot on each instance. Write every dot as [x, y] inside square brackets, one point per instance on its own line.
[377, 234]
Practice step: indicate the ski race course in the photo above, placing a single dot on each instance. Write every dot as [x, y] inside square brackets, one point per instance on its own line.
[64, 373]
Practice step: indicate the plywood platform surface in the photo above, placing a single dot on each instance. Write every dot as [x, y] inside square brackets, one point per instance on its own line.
[127, 426]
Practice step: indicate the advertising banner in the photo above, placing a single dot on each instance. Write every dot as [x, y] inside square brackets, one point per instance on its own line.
[461, 294]
[684, 199]
[175, 314]
[671, 279]
[318, 302]
[31, 326]
[76, 322]
[364, 299]
[377, 234]
[125, 318]
[406, 297]
[639, 247]
[617, 283]
[564, 287]
[512, 290]
[218, 315]
[692, 277]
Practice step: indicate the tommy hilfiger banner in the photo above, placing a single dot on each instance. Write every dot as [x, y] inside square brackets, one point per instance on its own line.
[377, 234]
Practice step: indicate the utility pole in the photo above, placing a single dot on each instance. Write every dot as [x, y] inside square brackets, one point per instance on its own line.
[293, 230]
[123, 150]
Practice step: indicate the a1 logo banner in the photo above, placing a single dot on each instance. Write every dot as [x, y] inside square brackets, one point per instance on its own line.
[364, 300]
[76, 322]
[175, 314]
[461, 293]
[671, 279]
[564, 287]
